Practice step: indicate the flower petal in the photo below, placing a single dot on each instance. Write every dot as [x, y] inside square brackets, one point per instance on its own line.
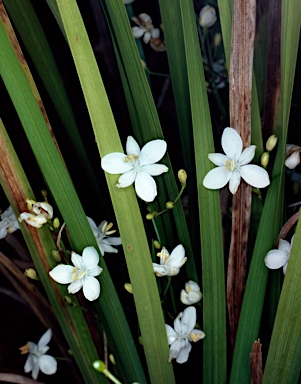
[48, 364]
[44, 340]
[152, 152]
[285, 246]
[184, 354]
[145, 186]
[91, 288]
[154, 169]
[155, 33]
[276, 259]
[138, 32]
[255, 175]
[218, 159]
[293, 160]
[160, 270]
[188, 319]
[234, 181]
[90, 258]
[171, 334]
[217, 178]
[62, 274]
[75, 286]
[132, 147]
[35, 368]
[127, 179]
[247, 155]
[114, 163]
[28, 364]
[147, 36]
[231, 143]
[176, 257]
[77, 260]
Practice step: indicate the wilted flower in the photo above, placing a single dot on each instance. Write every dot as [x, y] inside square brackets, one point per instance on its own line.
[101, 234]
[43, 209]
[34, 220]
[81, 275]
[41, 213]
[137, 166]
[278, 258]
[234, 165]
[292, 156]
[183, 333]
[8, 223]
[145, 28]
[170, 264]
[37, 359]
[207, 16]
[191, 294]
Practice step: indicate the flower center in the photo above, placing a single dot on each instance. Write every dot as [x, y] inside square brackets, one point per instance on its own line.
[230, 165]
[131, 158]
[79, 276]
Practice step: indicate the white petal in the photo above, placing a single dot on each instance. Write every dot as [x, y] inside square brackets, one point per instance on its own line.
[90, 257]
[276, 259]
[127, 179]
[44, 340]
[138, 32]
[145, 186]
[91, 288]
[176, 257]
[184, 354]
[93, 225]
[114, 163]
[152, 152]
[3, 231]
[231, 143]
[155, 33]
[35, 368]
[145, 18]
[184, 297]
[132, 147]
[234, 181]
[77, 260]
[160, 270]
[217, 178]
[28, 364]
[107, 248]
[75, 286]
[255, 175]
[218, 159]
[48, 364]
[154, 169]
[112, 241]
[293, 160]
[171, 334]
[147, 36]
[62, 274]
[189, 319]
[247, 155]
[284, 246]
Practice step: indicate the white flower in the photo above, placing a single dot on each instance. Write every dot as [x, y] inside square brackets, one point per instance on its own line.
[234, 165]
[207, 16]
[191, 294]
[81, 275]
[43, 209]
[37, 359]
[101, 234]
[137, 166]
[292, 156]
[8, 223]
[183, 333]
[278, 258]
[34, 220]
[170, 264]
[145, 28]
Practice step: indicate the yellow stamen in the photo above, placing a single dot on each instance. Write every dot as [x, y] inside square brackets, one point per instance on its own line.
[25, 349]
[74, 274]
[81, 275]
[230, 165]
[131, 158]
[195, 337]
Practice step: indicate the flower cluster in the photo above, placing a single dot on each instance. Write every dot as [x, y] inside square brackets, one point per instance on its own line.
[146, 29]
[82, 275]
[40, 213]
[8, 223]
[37, 359]
[137, 166]
[101, 234]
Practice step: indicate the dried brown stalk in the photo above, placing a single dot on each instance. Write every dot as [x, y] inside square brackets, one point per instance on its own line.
[241, 65]
[256, 363]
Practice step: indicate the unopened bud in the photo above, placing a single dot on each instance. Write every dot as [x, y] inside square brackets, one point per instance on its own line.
[157, 245]
[128, 287]
[140, 340]
[31, 273]
[56, 255]
[265, 159]
[112, 359]
[99, 366]
[44, 194]
[217, 39]
[150, 216]
[30, 203]
[170, 205]
[68, 300]
[56, 223]
[207, 16]
[182, 176]
[271, 143]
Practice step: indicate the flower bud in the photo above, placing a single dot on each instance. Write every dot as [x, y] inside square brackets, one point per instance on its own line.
[271, 143]
[128, 287]
[217, 39]
[68, 300]
[30, 203]
[56, 223]
[182, 176]
[157, 245]
[43, 209]
[99, 366]
[170, 205]
[112, 359]
[207, 16]
[150, 216]
[292, 156]
[265, 159]
[191, 294]
[31, 273]
[56, 255]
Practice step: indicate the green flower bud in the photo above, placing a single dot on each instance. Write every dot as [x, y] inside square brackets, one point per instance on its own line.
[30, 203]
[150, 216]
[56, 223]
[265, 159]
[128, 287]
[31, 273]
[170, 205]
[56, 255]
[157, 245]
[99, 366]
[68, 300]
[182, 176]
[271, 142]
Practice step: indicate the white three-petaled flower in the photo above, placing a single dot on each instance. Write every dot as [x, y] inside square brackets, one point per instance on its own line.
[82, 275]
[191, 294]
[183, 333]
[234, 165]
[8, 223]
[278, 258]
[170, 264]
[145, 28]
[37, 359]
[101, 234]
[137, 166]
